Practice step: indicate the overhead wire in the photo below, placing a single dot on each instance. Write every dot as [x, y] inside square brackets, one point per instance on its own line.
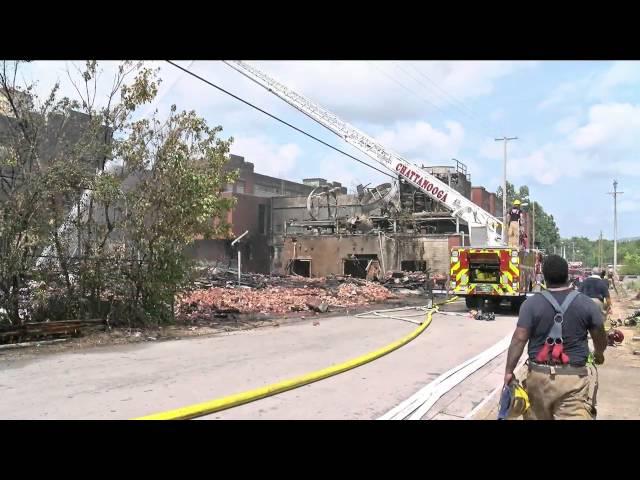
[202, 79]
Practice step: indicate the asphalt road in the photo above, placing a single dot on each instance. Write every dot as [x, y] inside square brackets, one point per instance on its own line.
[120, 382]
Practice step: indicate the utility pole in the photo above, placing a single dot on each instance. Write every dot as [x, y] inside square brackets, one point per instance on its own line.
[533, 224]
[504, 187]
[600, 252]
[615, 194]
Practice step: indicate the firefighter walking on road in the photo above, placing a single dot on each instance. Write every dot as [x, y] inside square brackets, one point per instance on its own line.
[514, 224]
[560, 384]
[597, 289]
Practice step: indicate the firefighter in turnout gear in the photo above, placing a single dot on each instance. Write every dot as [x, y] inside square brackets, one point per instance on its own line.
[515, 214]
[562, 381]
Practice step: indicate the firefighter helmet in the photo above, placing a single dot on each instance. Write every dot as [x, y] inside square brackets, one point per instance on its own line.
[514, 401]
[615, 336]
[516, 203]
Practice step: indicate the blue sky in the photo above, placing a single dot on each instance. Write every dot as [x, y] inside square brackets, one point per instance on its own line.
[578, 124]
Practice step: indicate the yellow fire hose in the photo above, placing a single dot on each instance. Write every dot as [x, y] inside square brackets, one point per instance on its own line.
[212, 406]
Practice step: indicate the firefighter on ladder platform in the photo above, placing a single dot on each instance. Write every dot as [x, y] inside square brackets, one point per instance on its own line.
[515, 214]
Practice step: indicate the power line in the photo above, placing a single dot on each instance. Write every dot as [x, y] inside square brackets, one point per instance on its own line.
[278, 119]
[454, 101]
[410, 90]
[482, 133]
[402, 85]
[451, 96]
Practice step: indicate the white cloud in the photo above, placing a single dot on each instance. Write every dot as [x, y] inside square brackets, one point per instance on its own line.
[616, 125]
[537, 165]
[601, 146]
[421, 140]
[622, 73]
[474, 78]
[335, 167]
[562, 93]
[596, 86]
[268, 157]
[360, 92]
[567, 124]
[382, 92]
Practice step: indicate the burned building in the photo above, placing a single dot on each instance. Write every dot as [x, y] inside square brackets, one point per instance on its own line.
[315, 228]
[253, 193]
[390, 227]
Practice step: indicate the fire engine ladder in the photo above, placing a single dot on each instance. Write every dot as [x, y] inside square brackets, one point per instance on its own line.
[483, 227]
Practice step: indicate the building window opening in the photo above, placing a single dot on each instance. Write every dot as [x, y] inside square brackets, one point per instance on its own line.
[356, 265]
[413, 265]
[301, 267]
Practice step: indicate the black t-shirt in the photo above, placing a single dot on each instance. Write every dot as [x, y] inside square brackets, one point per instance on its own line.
[595, 287]
[514, 214]
[536, 315]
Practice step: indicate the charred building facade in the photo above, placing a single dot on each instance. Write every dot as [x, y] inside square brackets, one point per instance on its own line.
[390, 227]
[315, 228]
[254, 194]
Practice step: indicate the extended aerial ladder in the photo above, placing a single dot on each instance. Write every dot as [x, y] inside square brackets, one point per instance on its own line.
[483, 227]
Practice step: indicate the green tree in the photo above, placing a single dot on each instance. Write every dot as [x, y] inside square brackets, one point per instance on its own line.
[110, 202]
[631, 264]
[547, 233]
[521, 194]
[181, 176]
[587, 251]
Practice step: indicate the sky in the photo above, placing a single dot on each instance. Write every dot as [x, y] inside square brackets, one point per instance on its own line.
[577, 123]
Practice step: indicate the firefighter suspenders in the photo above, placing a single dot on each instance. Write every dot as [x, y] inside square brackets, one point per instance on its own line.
[553, 348]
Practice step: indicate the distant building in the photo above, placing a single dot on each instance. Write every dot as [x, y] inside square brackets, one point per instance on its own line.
[486, 200]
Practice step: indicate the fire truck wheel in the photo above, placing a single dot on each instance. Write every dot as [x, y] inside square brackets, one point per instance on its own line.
[495, 302]
[472, 302]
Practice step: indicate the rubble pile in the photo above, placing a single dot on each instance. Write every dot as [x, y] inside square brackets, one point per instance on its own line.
[413, 280]
[633, 319]
[280, 295]
[219, 277]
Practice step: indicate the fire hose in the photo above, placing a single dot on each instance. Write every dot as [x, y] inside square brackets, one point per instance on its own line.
[224, 403]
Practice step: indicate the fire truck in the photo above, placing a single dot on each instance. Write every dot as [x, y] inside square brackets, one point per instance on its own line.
[489, 270]
[495, 274]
